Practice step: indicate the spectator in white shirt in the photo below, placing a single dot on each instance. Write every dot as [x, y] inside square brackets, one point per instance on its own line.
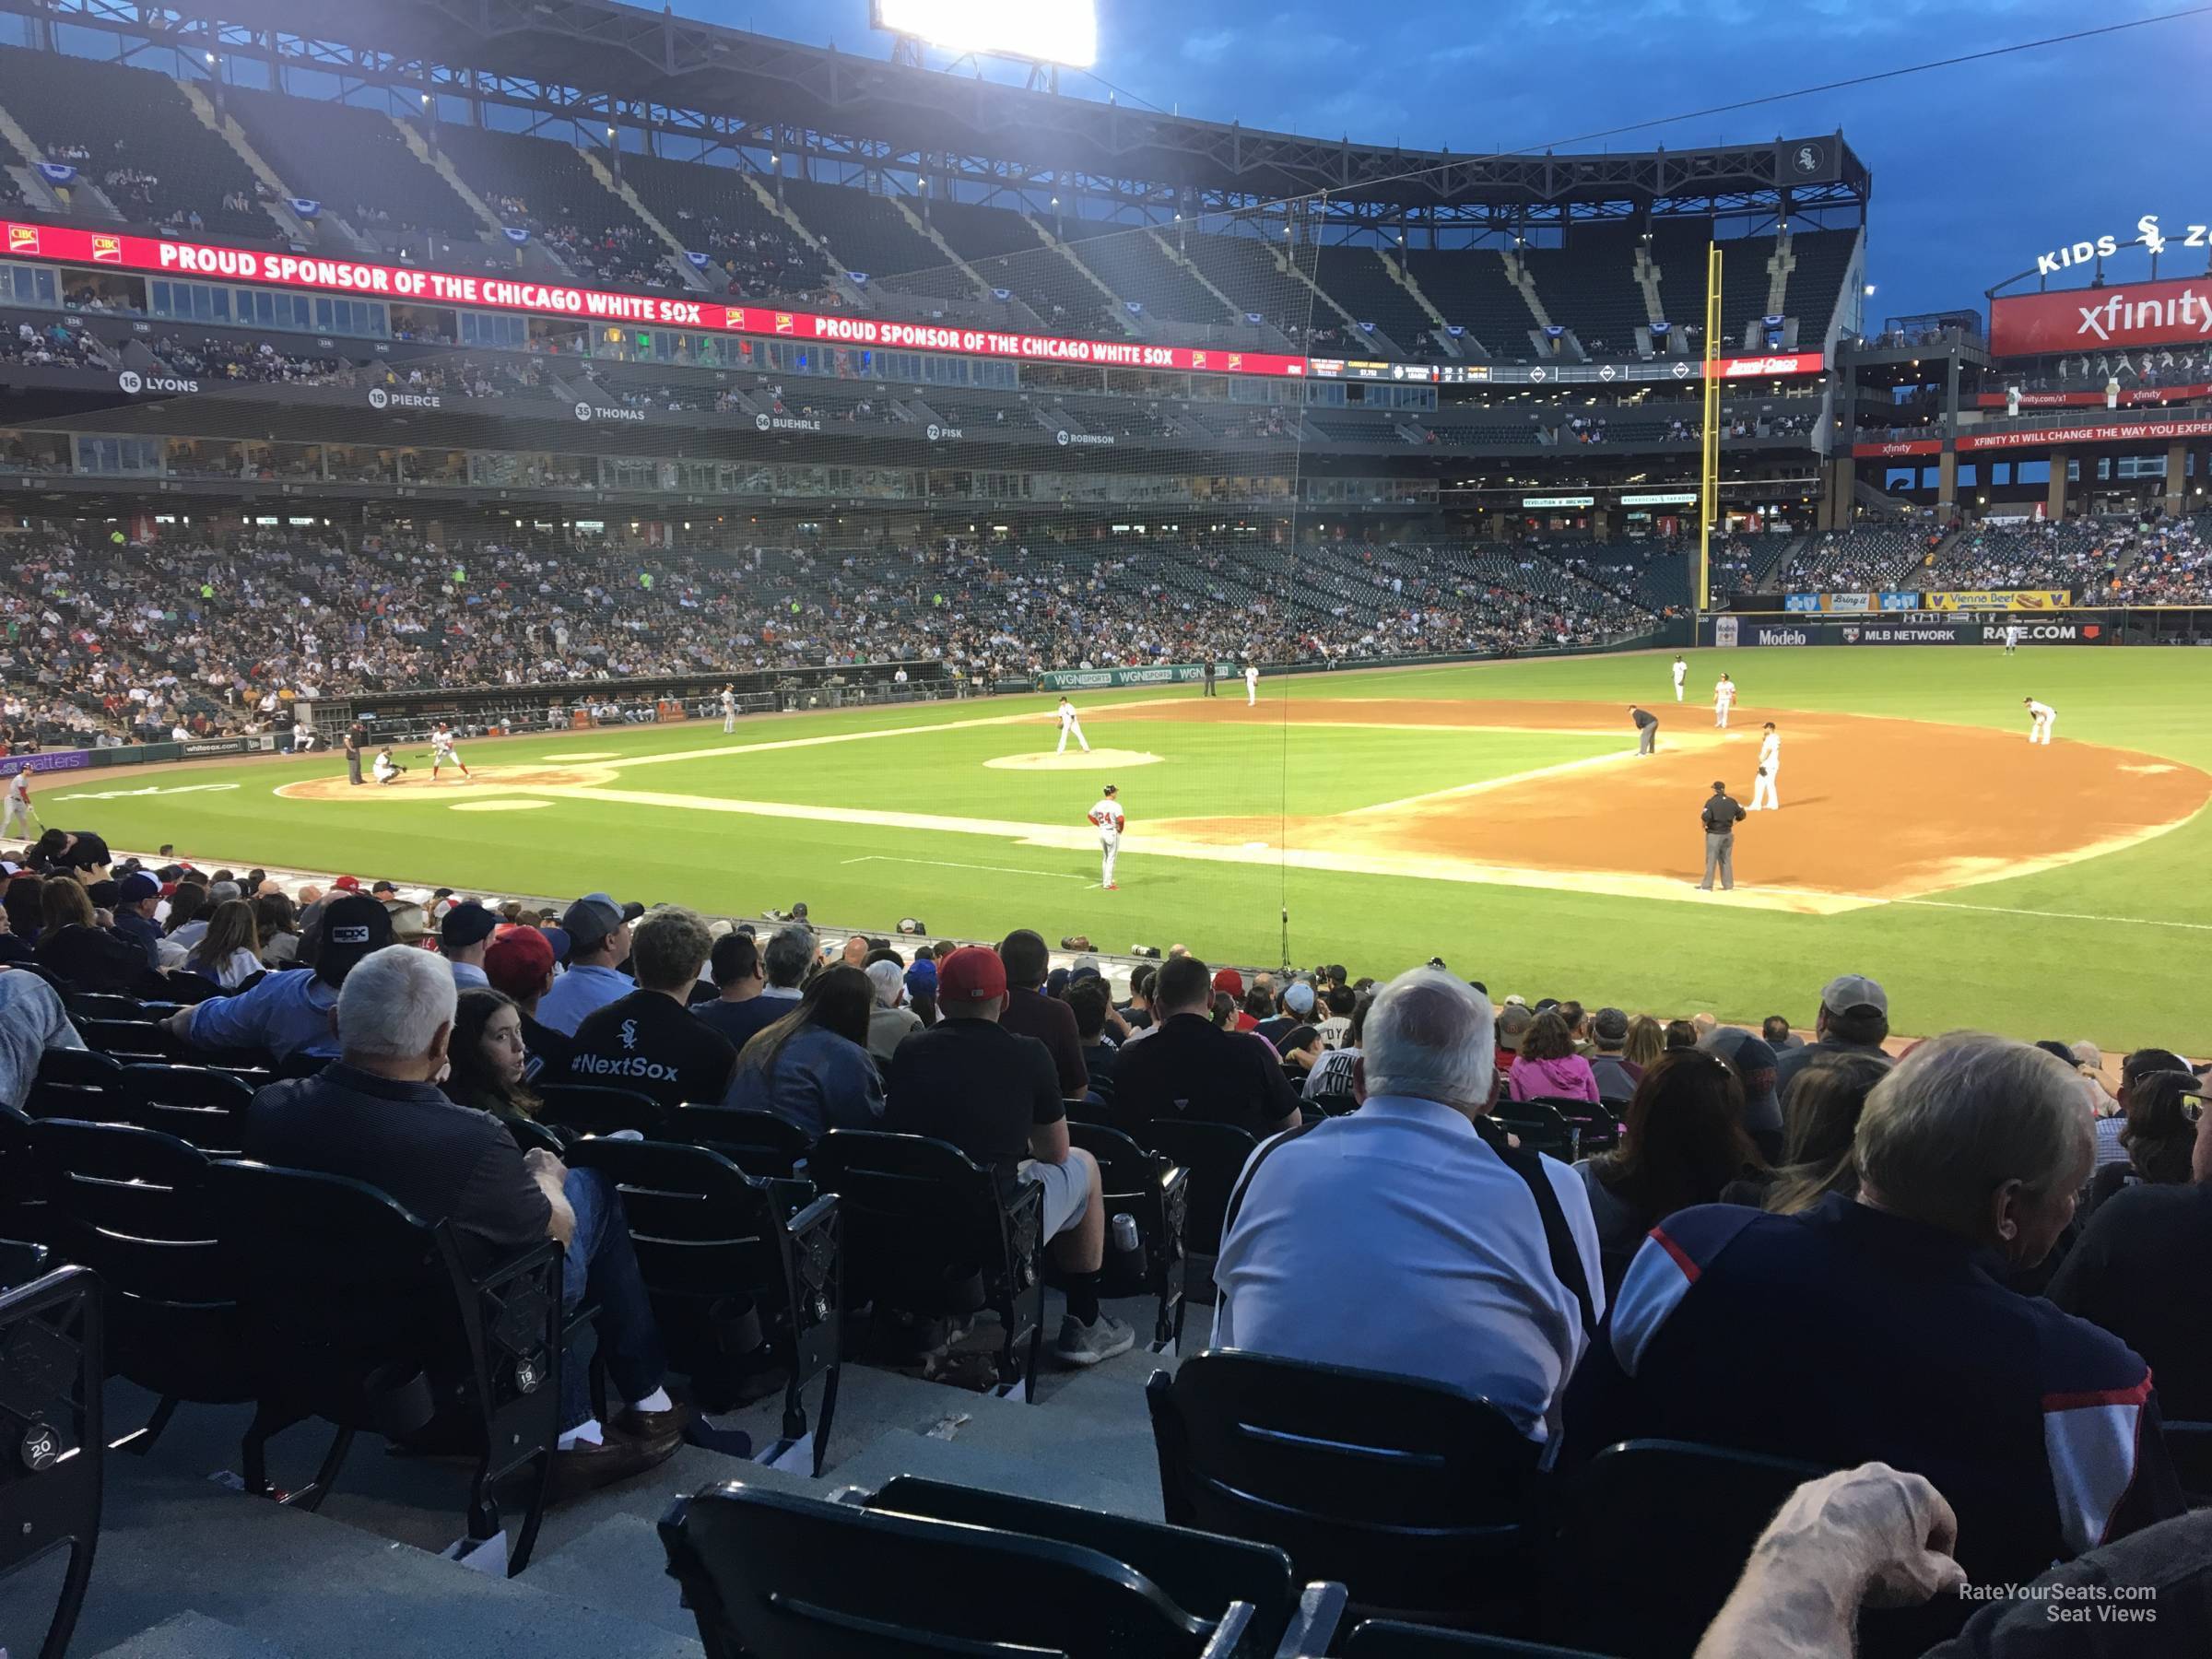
[1410, 1233]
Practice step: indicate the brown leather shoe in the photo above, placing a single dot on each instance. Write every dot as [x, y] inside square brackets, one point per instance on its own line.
[585, 1467]
[653, 1425]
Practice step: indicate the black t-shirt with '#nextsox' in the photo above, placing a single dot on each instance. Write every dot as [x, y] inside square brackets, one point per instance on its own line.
[649, 1043]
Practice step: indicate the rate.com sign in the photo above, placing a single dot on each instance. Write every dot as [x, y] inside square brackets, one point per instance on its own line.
[169, 257]
[2133, 313]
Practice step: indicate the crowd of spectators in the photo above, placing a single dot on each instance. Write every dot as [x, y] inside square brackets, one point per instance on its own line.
[52, 347]
[2080, 556]
[2172, 565]
[141, 639]
[2000, 1215]
[211, 358]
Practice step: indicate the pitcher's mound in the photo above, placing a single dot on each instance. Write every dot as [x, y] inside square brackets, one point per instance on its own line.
[1098, 759]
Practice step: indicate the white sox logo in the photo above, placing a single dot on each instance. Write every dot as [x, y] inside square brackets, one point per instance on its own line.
[1807, 160]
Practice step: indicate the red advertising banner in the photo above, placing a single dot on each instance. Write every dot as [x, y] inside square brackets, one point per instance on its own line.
[2138, 397]
[2140, 431]
[206, 261]
[2133, 313]
[1899, 446]
[1788, 363]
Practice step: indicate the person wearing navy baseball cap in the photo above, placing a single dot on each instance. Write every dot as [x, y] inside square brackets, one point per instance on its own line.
[462, 937]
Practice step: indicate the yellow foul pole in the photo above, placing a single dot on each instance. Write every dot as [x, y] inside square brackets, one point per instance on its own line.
[1709, 456]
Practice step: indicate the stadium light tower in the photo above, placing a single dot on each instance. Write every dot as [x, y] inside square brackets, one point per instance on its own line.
[1041, 35]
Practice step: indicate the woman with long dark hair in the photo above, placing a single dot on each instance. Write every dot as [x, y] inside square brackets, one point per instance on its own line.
[812, 1066]
[2160, 1135]
[185, 905]
[73, 944]
[1681, 1141]
[229, 951]
[1819, 1116]
[488, 1059]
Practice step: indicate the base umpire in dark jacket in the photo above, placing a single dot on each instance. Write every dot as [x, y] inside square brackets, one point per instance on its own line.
[1719, 816]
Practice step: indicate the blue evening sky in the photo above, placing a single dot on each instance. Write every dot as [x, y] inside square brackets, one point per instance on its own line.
[1976, 169]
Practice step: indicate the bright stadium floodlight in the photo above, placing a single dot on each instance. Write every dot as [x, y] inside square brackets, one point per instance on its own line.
[1044, 31]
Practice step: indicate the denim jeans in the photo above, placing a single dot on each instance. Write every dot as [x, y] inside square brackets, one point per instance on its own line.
[602, 1265]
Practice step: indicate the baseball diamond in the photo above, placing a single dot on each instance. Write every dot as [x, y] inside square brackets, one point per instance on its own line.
[1499, 802]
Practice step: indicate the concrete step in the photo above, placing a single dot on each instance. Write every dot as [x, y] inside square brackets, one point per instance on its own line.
[192, 1636]
[306, 1584]
[618, 1568]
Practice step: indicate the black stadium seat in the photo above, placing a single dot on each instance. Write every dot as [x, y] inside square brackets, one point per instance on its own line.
[52, 1368]
[1415, 1498]
[759, 1143]
[926, 1231]
[370, 1318]
[1153, 1190]
[202, 1107]
[591, 1109]
[133, 1204]
[1204, 1572]
[1537, 1125]
[1215, 1153]
[78, 1082]
[773, 1575]
[1673, 1524]
[743, 1273]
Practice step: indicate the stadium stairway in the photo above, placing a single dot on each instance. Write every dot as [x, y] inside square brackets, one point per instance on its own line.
[188, 1568]
[928, 234]
[277, 205]
[1113, 300]
[83, 197]
[1401, 272]
[439, 162]
[1522, 277]
[616, 186]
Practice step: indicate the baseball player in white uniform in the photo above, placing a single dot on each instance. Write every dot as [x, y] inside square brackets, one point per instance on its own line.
[443, 752]
[2012, 638]
[1251, 683]
[386, 769]
[16, 817]
[1107, 816]
[729, 708]
[1723, 699]
[1070, 727]
[1681, 673]
[2041, 717]
[1769, 763]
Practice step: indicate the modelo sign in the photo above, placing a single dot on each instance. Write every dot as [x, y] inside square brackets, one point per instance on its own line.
[2129, 313]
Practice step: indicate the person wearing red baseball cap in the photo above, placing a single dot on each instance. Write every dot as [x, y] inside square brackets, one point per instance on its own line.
[996, 1095]
[519, 961]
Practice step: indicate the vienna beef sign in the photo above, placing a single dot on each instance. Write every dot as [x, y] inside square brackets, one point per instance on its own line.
[209, 262]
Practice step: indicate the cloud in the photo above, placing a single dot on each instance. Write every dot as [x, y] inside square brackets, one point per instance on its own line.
[1210, 48]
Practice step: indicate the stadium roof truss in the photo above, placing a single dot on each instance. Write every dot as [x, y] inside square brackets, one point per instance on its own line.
[697, 87]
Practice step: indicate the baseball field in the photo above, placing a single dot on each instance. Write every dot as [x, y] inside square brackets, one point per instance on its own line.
[1494, 815]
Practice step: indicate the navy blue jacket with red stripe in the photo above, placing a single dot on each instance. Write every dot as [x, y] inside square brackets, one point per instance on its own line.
[1848, 1335]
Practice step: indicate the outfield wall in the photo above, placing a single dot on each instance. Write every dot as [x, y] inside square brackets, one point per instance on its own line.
[2163, 625]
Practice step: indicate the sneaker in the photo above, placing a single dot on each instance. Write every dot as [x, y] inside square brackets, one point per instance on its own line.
[1114, 886]
[1084, 1345]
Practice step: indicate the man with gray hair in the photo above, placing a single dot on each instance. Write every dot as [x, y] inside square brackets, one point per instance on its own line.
[1881, 1327]
[1412, 1235]
[375, 1114]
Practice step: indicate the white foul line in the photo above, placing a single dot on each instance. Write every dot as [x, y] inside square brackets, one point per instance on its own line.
[2003, 910]
[947, 863]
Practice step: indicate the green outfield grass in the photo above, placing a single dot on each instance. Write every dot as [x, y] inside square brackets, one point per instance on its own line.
[2113, 947]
